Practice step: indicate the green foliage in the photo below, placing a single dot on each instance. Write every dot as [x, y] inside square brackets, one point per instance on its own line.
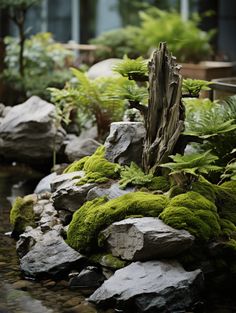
[132, 92]
[227, 227]
[187, 168]
[132, 67]
[117, 43]
[192, 87]
[133, 175]
[185, 40]
[96, 167]
[159, 183]
[22, 214]
[195, 213]
[92, 98]
[45, 64]
[98, 214]
[205, 189]
[215, 124]
[230, 171]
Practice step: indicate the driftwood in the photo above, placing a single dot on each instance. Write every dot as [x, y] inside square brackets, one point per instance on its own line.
[165, 114]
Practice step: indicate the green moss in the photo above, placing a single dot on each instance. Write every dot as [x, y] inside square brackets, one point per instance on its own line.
[193, 201]
[76, 165]
[226, 201]
[159, 183]
[108, 260]
[205, 189]
[96, 215]
[96, 167]
[194, 213]
[175, 191]
[22, 214]
[227, 227]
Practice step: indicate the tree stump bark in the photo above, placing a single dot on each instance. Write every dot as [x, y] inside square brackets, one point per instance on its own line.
[165, 115]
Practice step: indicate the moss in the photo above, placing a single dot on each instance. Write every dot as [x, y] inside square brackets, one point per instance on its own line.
[227, 227]
[205, 189]
[108, 260]
[96, 167]
[175, 191]
[226, 201]
[193, 201]
[76, 165]
[159, 183]
[22, 214]
[194, 213]
[96, 215]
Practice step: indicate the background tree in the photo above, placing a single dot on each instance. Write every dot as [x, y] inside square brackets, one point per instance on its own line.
[17, 10]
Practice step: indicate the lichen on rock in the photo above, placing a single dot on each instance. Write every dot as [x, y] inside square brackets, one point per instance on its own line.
[99, 213]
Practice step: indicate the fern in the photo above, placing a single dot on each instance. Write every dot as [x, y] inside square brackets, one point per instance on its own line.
[187, 168]
[230, 171]
[132, 67]
[133, 175]
[192, 87]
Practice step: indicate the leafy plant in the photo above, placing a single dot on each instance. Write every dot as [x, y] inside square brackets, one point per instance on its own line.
[133, 175]
[186, 168]
[92, 98]
[192, 87]
[132, 67]
[230, 171]
[45, 64]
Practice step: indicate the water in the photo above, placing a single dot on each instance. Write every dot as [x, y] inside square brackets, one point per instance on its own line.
[16, 294]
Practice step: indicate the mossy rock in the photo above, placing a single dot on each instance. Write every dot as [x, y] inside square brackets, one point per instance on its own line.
[98, 214]
[175, 191]
[22, 214]
[96, 167]
[227, 227]
[205, 189]
[202, 224]
[193, 201]
[108, 260]
[226, 200]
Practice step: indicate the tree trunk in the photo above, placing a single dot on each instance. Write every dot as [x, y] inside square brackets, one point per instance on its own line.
[165, 116]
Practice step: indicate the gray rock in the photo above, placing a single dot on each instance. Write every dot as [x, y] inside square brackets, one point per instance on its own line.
[44, 184]
[103, 69]
[51, 255]
[88, 280]
[78, 148]
[27, 240]
[153, 286]
[71, 197]
[112, 192]
[125, 142]
[64, 180]
[147, 238]
[28, 131]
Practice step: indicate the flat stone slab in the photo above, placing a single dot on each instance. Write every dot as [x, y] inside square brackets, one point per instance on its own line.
[152, 286]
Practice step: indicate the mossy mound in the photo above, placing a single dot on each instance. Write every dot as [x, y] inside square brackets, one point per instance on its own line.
[205, 189]
[96, 167]
[227, 227]
[193, 201]
[98, 214]
[22, 214]
[194, 213]
[226, 200]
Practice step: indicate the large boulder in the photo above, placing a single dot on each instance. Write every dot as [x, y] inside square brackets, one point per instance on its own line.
[125, 142]
[44, 184]
[147, 238]
[153, 286]
[28, 132]
[78, 148]
[50, 256]
[65, 180]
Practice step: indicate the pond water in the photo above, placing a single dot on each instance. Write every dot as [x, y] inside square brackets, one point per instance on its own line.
[16, 294]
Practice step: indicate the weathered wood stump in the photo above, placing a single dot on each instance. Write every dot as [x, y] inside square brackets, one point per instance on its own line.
[165, 114]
